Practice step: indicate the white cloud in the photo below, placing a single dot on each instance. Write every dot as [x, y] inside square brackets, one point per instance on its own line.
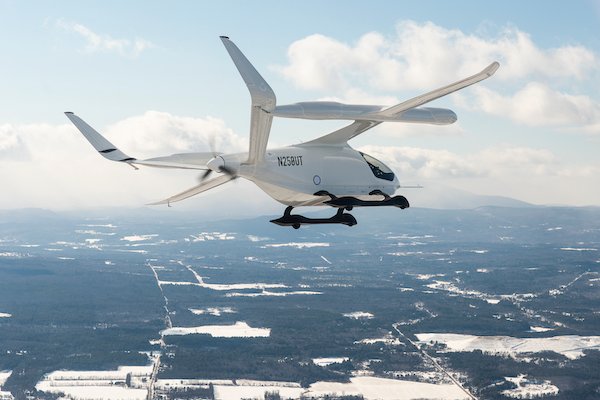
[160, 132]
[415, 163]
[420, 56]
[96, 42]
[11, 144]
[534, 175]
[53, 166]
[495, 162]
[539, 105]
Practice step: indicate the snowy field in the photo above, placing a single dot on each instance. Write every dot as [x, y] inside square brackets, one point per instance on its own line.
[91, 385]
[325, 361]
[138, 238]
[371, 388]
[224, 287]
[239, 392]
[298, 245]
[571, 346]
[207, 236]
[4, 375]
[527, 389]
[389, 339]
[273, 294]
[94, 392]
[359, 315]
[239, 329]
[87, 385]
[215, 311]
[234, 286]
[387, 389]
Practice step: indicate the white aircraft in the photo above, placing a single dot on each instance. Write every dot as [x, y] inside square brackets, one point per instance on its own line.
[325, 171]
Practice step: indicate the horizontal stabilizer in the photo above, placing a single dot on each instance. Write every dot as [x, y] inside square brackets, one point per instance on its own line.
[202, 187]
[100, 143]
[111, 152]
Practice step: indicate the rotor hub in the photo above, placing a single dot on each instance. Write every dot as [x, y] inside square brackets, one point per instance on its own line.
[216, 164]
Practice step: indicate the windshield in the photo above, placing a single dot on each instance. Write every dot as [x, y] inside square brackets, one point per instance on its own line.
[379, 169]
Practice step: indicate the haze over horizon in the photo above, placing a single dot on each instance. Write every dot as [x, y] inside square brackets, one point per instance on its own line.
[156, 80]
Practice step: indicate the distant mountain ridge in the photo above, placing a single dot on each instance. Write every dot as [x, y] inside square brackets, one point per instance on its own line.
[439, 198]
[443, 197]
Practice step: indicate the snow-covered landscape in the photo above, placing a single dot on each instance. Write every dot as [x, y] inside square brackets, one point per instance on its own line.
[239, 329]
[126, 382]
[237, 313]
[571, 346]
[90, 385]
[528, 389]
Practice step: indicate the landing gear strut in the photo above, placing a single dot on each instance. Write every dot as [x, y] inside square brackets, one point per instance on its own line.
[346, 203]
[295, 221]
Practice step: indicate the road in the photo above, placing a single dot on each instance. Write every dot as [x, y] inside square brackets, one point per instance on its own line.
[435, 363]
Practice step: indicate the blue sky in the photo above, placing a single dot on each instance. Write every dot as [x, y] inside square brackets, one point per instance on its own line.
[155, 78]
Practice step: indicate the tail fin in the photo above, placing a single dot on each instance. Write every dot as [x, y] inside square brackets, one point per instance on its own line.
[261, 93]
[263, 102]
[100, 143]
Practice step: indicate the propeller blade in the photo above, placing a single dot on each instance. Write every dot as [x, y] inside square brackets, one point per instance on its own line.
[205, 175]
[228, 171]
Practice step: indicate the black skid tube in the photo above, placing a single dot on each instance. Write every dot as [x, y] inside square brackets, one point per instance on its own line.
[296, 221]
[344, 202]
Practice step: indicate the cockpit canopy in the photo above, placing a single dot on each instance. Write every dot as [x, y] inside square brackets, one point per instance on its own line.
[379, 169]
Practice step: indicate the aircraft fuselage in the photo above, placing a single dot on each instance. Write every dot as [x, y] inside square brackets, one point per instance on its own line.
[293, 174]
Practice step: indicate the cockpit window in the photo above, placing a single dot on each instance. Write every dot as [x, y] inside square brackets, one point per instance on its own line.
[379, 169]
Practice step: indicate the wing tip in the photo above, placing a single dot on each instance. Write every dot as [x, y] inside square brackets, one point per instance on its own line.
[157, 203]
[224, 37]
[69, 113]
[492, 68]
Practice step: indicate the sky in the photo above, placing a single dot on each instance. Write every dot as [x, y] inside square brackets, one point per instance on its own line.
[154, 77]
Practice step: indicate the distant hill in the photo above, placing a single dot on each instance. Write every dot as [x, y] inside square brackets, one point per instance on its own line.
[473, 219]
[444, 197]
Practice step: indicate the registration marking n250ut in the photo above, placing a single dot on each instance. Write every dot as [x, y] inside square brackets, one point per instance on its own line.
[289, 161]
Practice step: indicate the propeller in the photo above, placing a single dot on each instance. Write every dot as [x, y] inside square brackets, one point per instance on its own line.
[221, 168]
[216, 164]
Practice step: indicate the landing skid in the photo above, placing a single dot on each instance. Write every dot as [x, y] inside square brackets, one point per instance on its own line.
[295, 221]
[348, 202]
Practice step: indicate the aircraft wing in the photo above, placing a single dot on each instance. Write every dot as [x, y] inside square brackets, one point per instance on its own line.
[263, 102]
[317, 110]
[202, 187]
[441, 92]
[402, 112]
[111, 152]
[341, 136]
